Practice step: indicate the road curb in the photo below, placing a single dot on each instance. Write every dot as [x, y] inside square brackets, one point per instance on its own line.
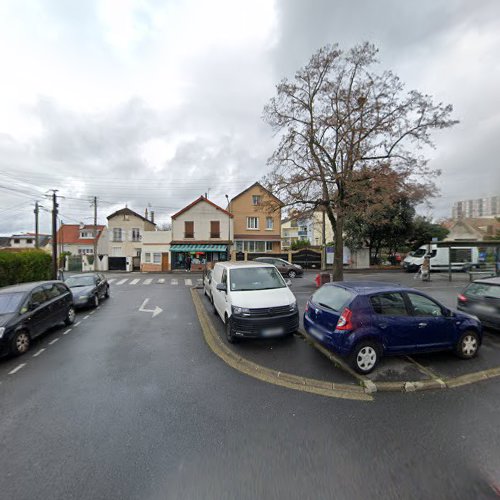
[269, 375]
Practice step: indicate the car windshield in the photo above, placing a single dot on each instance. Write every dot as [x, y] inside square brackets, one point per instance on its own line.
[483, 290]
[255, 278]
[76, 281]
[420, 252]
[9, 302]
[332, 297]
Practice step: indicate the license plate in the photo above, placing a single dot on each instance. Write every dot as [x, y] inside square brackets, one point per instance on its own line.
[316, 334]
[271, 332]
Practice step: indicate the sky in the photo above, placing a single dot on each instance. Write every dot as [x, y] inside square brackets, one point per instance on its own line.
[150, 103]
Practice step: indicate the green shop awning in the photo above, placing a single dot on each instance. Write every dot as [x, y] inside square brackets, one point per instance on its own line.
[198, 248]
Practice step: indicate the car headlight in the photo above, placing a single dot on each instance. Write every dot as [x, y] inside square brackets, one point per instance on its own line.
[298, 266]
[83, 297]
[240, 311]
[293, 306]
[2, 331]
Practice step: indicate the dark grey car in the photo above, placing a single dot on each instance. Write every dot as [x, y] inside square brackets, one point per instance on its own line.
[482, 298]
[284, 267]
[88, 289]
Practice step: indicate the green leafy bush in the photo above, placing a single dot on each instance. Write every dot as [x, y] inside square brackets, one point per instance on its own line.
[22, 267]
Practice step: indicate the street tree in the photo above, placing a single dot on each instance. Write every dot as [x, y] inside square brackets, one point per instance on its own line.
[341, 123]
[424, 230]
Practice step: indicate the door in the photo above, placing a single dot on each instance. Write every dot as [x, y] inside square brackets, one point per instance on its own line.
[430, 328]
[164, 261]
[393, 320]
[117, 263]
[220, 297]
[37, 315]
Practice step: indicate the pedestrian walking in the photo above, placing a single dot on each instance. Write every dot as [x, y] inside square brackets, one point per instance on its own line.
[188, 263]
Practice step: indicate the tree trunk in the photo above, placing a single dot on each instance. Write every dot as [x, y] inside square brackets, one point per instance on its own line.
[338, 260]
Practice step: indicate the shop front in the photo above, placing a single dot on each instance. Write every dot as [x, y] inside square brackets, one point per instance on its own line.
[202, 256]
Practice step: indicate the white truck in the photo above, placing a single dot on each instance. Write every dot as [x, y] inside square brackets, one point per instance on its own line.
[461, 258]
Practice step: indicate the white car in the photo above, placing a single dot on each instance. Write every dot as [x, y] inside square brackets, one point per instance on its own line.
[207, 280]
[253, 300]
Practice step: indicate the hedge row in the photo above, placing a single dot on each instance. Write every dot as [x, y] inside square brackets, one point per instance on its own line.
[22, 267]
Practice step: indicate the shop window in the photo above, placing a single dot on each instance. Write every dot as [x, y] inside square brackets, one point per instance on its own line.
[252, 223]
[188, 229]
[260, 246]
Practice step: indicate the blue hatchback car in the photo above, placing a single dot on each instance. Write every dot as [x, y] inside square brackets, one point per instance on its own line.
[363, 321]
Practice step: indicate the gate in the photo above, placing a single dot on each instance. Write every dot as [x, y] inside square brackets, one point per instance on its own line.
[307, 258]
[74, 263]
[117, 263]
[136, 263]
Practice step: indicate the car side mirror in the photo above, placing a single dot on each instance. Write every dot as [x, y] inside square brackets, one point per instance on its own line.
[288, 282]
[222, 287]
[448, 313]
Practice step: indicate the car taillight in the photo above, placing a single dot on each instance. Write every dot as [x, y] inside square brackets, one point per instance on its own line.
[462, 298]
[307, 306]
[345, 320]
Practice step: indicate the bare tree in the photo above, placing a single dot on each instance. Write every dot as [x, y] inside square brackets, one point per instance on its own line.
[341, 123]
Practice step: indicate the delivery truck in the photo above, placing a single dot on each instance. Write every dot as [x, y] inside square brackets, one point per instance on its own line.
[462, 258]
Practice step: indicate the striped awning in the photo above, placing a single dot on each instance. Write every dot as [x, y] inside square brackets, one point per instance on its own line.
[198, 248]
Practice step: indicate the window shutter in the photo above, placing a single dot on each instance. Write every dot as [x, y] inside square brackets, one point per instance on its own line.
[214, 229]
[188, 229]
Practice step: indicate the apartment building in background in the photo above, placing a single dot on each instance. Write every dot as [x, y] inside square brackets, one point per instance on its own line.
[305, 228]
[474, 209]
[257, 220]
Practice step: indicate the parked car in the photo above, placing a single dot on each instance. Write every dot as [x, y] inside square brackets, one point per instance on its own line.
[284, 267]
[88, 289]
[30, 309]
[253, 300]
[207, 280]
[462, 258]
[364, 321]
[482, 298]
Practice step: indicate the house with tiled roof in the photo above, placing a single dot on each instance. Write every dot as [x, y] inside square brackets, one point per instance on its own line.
[78, 239]
[201, 230]
[480, 229]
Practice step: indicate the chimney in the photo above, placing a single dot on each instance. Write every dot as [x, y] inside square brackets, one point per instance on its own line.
[146, 213]
[152, 216]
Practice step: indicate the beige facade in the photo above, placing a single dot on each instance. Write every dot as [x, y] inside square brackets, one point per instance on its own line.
[155, 256]
[307, 228]
[257, 221]
[125, 231]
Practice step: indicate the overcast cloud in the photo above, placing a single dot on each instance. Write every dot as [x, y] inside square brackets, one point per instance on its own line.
[145, 102]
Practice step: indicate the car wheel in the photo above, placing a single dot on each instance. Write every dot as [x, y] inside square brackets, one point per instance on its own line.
[70, 316]
[230, 332]
[468, 345]
[95, 302]
[292, 273]
[365, 357]
[20, 343]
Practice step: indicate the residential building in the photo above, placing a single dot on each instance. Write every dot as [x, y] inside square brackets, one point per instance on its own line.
[480, 229]
[257, 220]
[481, 207]
[201, 230]
[306, 228]
[125, 231]
[28, 240]
[155, 255]
[78, 239]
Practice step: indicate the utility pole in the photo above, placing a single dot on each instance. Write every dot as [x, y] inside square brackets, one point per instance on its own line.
[36, 211]
[54, 234]
[94, 203]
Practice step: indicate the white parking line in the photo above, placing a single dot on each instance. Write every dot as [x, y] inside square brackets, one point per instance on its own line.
[134, 282]
[161, 280]
[147, 281]
[188, 282]
[122, 281]
[53, 341]
[17, 368]
[76, 324]
[92, 312]
[67, 331]
[111, 280]
[174, 282]
[39, 352]
[86, 317]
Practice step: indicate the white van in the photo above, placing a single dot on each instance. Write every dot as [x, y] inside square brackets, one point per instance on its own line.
[253, 300]
[461, 258]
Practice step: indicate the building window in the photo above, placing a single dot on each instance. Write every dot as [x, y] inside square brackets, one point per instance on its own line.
[86, 234]
[136, 234]
[252, 223]
[269, 246]
[17, 241]
[157, 258]
[214, 229]
[137, 252]
[256, 200]
[260, 246]
[117, 234]
[188, 229]
[269, 223]
[28, 241]
[239, 246]
[147, 257]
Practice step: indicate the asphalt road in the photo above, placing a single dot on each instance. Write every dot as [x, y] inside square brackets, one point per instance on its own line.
[131, 406]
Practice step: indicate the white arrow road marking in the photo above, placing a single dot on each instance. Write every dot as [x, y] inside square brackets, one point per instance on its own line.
[157, 310]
